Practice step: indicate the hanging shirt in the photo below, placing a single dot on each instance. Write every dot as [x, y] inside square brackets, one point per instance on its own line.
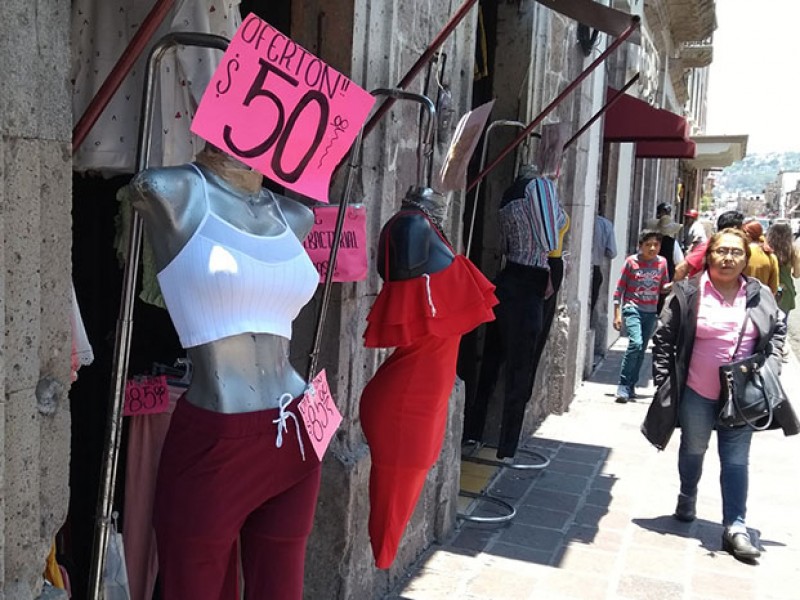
[530, 224]
[100, 33]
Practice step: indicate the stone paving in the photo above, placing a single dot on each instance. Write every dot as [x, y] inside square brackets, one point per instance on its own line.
[596, 523]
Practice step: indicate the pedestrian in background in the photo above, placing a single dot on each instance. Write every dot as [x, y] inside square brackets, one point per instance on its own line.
[696, 232]
[779, 237]
[670, 247]
[763, 264]
[694, 263]
[708, 320]
[644, 277]
[604, 246]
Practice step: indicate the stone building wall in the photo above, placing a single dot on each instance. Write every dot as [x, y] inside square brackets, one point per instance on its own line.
[35, 267]
[377, 41]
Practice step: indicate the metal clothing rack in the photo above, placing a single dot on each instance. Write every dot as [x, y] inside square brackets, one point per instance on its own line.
[424, 159]
[542, 461]
[122, 344]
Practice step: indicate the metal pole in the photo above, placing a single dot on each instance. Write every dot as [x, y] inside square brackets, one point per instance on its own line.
[424, 155]
[117, 75]
[105, 498]
[557, 100]
[484, 152]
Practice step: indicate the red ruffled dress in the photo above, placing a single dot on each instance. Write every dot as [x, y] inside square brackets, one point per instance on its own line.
[404, 406]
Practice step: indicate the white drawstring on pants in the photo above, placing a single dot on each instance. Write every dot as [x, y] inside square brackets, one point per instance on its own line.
[283, 416]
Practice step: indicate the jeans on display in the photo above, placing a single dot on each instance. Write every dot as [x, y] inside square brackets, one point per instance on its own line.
[640, 327]
[511, 339]
[697, 416]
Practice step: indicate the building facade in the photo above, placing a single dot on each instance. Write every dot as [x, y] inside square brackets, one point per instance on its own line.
[521, 54]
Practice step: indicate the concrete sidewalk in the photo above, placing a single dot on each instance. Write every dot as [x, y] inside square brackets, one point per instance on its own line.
[596, 523]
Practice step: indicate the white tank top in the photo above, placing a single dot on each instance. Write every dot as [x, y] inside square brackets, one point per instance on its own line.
[226, 281]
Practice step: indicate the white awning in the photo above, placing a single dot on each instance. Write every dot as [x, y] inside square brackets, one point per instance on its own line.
[717, 151]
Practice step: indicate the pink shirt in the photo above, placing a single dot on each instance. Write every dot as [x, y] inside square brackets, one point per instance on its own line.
[718, 327]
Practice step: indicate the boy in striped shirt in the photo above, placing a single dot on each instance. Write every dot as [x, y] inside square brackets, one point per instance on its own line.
[644, 277]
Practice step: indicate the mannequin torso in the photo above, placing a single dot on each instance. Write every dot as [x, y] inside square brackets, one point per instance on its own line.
[238, 373]
[410, 245]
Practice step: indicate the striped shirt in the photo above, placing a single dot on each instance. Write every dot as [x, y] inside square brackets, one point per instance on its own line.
[641, 282]
[530, 224]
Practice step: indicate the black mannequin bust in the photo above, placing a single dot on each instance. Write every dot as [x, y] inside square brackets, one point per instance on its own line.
[414, 238]
[517, 189]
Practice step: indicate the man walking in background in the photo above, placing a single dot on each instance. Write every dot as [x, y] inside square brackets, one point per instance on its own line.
[604, 246]
[696, 232]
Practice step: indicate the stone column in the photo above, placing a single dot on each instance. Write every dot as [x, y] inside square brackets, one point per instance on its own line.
[35, 279]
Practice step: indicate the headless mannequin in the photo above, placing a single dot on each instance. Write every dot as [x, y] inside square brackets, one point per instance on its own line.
[430, 297]
[514, 338]
[414, 245]
[236, 490]
[245, 372]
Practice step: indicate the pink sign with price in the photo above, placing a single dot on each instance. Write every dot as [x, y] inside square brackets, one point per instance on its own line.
[320, 416]
[281, 110]
[146, 396]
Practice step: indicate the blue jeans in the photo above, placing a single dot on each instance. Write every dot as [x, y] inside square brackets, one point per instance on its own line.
[639, 326]
[697, 416]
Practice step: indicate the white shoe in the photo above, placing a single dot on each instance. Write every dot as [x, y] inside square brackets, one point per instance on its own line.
[623, 394]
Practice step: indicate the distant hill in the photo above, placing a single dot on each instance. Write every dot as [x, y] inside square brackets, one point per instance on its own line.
[752, 174]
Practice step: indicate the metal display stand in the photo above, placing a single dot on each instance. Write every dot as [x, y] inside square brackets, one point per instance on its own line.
[424, 159]
[122, 345]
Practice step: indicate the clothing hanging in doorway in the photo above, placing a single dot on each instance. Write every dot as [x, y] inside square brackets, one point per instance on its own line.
[100, 32]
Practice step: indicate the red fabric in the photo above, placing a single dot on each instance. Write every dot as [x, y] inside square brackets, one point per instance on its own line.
[403, 415]
[632, 120]
[222, 481]
[696, 259]
[462, 297]
[404, 406]
[666, 149]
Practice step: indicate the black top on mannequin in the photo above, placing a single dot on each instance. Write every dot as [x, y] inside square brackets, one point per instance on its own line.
[414, 239]
[517, 189]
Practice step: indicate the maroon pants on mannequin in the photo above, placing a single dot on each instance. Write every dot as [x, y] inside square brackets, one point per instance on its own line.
[222, 479]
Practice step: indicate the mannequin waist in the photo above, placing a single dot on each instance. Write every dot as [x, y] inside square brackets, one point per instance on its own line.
[243, 373]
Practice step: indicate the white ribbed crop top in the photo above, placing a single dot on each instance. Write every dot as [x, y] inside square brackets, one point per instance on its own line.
[226, 281]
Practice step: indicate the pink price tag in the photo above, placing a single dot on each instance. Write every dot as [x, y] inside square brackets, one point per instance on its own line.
[281, 110]
[146, 396]
[319, 413]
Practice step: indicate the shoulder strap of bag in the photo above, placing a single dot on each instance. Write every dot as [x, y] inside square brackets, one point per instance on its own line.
[741, 333]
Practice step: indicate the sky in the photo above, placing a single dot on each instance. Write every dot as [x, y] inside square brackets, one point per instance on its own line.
[754, 79]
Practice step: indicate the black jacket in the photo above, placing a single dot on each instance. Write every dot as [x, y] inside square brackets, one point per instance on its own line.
[673, 343]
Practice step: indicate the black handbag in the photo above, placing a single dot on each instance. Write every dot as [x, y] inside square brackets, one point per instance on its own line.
[750, 391]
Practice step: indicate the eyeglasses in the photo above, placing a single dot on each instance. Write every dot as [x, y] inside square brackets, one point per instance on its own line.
[722, 252]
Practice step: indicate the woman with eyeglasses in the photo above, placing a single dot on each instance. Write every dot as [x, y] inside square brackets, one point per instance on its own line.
[713, 318]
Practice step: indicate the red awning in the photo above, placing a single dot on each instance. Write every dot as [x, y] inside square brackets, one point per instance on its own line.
[667, 149]
[632, 120]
